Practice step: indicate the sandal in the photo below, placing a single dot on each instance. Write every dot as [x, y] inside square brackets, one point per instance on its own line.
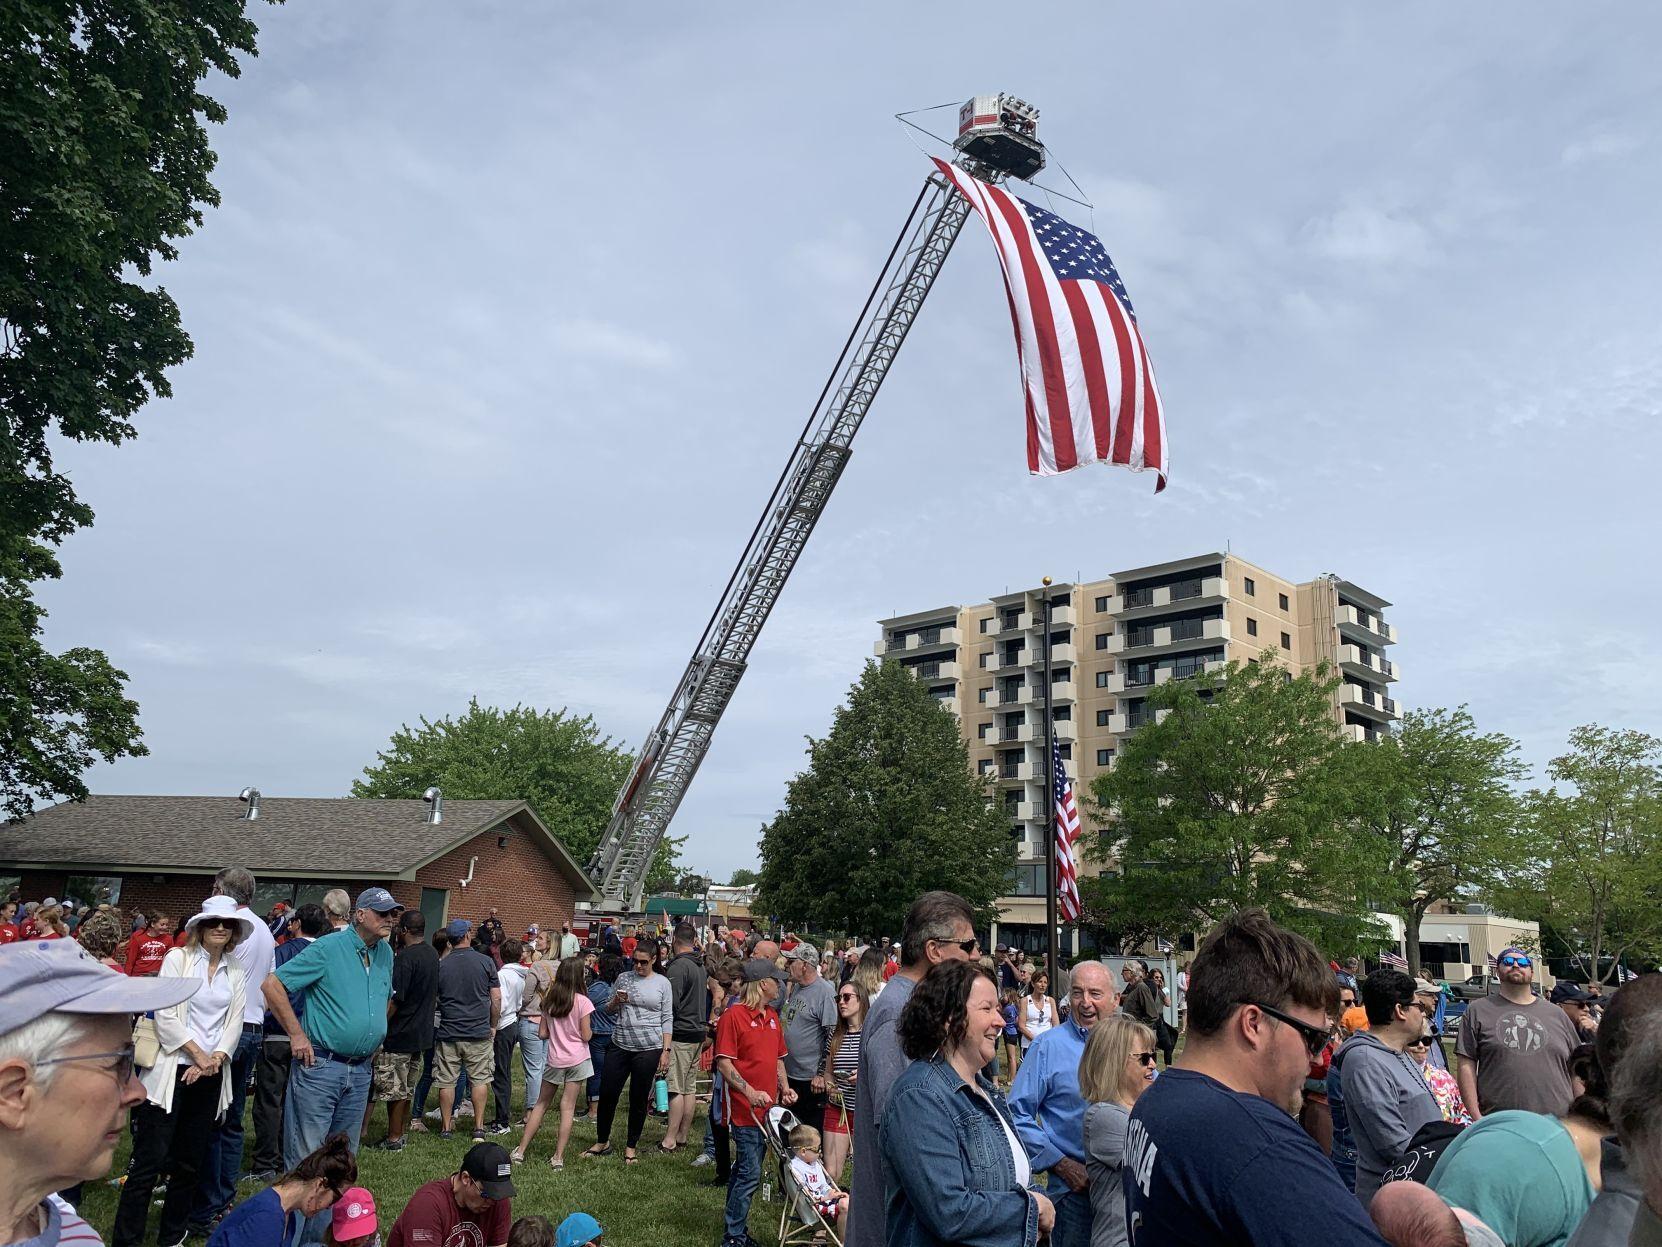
[517, 1156]
[662, 1148]
[556, 1164]
[599, 1150]
[631, 1160]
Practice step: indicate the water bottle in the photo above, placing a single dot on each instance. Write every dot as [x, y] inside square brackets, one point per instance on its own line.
[660, 1094]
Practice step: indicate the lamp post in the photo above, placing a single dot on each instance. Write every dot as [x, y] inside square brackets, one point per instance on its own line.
[1051, 937]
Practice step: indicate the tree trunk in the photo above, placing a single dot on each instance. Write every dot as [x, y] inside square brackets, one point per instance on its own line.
[1411, 937]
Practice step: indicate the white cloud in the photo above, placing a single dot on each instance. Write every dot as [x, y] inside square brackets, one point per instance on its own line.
[1369, 234]
[1602, 143]
[600, 341]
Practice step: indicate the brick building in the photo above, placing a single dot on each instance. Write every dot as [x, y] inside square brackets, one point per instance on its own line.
[162, 852]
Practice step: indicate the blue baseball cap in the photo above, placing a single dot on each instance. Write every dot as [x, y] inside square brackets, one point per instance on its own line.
[378, 899]
[458, 929]
[577, 1229]
[38, 977]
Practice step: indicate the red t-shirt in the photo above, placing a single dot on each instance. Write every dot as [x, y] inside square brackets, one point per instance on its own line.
[145, 952]
[890, 969]
[753, 1041]
[9, 934]
[432, 1218]
[629, 945]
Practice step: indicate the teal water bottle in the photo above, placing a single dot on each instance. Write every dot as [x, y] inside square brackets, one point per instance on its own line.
[660, 1094]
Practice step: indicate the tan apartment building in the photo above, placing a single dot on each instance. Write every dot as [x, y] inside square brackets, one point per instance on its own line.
[1112, 642]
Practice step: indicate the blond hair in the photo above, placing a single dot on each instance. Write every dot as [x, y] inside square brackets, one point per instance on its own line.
[754, 994]
[802, 1136]
[1107, 1049]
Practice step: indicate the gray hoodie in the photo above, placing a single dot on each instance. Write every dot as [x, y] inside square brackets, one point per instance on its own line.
[1386, 1100]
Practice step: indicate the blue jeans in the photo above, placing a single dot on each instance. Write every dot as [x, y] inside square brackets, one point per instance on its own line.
[1073, 1217]
[222, 1163]
[748, 1149]
[533, 1054]
[323, 1098]
[598, 1044]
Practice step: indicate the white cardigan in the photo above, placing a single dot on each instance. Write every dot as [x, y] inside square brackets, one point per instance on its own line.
[172, 1029]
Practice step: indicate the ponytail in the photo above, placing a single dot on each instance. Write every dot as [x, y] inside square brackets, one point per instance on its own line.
[333, 1162]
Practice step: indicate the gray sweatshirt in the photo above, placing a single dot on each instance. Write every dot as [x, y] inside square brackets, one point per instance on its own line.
[647, 1016]
[1386, 1100]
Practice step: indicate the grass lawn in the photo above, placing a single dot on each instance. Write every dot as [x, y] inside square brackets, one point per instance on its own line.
[660, 1202]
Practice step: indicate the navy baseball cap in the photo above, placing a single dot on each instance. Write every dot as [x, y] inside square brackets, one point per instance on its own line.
[458, 929]
[378, 899]
[1566, 992]
[38, 977]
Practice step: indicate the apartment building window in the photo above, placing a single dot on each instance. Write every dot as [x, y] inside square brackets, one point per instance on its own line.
[1066, 750]
[1285, 605]
[1060, 638]
[1102, 717]
[986, 626]
[1103, 756]
[981, 695]
[1102, 679]
[983, 661]
[1060, 675]
[1102, 640]
[1252, 627]
[1251, 588]
[984, 766]
[1286, 641]
[983, 730]
[1061, 714]
[1102, 605]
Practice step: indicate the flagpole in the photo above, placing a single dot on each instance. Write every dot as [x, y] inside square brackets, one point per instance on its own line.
[1051, 942]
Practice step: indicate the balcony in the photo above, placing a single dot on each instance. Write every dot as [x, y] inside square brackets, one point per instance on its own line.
[1147, 639]
[1067, 729]
[935, 671]
[948, 704]
[1022, 696]
[1063, 691]
[1359, 662]
[1020, 773]
[1367, 702]
[912, 642]
[1021, 811]
[1015, 735]
[1199, 591]
[1012, 662]
[1362, 734]
[1020, 623]
[1363, 626]
[1060, 616]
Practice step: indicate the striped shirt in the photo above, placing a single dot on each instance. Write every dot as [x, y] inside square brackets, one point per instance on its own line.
[845, 1064]
[64, 1228]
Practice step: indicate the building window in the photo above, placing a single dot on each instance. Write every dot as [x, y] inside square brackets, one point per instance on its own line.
[1102, 756]
[1102, 606]
[981, 695]
[1060, 675]
[1285, 605]
[1286, 641]
[1066, 750]
[983, 661]
[984, 766]
[983, 730]
[986, 626]
[1102, 640]
[1251, 588]
[1102, 679]
[1061, 714]
[1252, 627]
[1102, 717]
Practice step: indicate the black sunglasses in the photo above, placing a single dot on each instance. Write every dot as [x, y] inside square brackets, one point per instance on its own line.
[1315, 1037]
[968, 946]
[1144, 1058]
[220, 924]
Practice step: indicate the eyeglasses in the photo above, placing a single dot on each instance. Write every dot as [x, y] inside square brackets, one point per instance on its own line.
[122, 1069]
[1512, 959]
[1315, 1037]
[217, 924]
[1143, 1058]
[968, 946]
[848, 996]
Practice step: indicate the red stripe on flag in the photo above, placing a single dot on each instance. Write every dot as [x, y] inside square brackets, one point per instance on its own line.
[1154, 451]
[1090, 355]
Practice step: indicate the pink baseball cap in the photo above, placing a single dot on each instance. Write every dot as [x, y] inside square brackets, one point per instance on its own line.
[354, 1214]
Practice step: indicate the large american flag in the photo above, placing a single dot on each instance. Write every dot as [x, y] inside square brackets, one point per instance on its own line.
[1391, 957]
[1091, 396]
[1067, 841]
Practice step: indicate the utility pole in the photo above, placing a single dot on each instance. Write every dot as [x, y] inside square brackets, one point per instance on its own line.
[1051, 940]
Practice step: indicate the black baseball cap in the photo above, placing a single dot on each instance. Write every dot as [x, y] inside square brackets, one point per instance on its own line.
[489, 1166]
[1565, 992]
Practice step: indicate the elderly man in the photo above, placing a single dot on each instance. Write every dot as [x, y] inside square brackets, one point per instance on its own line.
[809, 1015]
[939, 927]
[1514, 1048]
[1048, 1110]
[347, 979]
[66, 1033]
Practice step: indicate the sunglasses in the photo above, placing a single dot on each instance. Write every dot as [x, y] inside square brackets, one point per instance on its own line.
[1143, 1058]
[1315, 1037]
[1419, 1043]
[967, 946]
[217, 924]
[848, 996]
[1513, 960]
[643, 961]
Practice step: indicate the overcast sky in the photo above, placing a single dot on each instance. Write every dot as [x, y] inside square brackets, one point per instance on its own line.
[512, 312]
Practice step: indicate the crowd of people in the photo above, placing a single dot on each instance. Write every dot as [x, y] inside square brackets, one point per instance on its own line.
[973, 1096]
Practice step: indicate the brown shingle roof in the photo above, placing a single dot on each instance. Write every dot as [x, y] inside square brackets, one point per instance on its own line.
[293, 835]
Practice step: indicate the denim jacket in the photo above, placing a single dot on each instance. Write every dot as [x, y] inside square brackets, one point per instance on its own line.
[947, 1164]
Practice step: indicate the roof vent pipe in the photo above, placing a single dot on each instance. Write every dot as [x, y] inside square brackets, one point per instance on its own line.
[252, 797]
[435, 799]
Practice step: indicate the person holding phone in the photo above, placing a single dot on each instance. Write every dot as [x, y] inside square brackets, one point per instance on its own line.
[642, 1008]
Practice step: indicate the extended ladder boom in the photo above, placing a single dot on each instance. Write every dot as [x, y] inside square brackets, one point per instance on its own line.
[672, 753]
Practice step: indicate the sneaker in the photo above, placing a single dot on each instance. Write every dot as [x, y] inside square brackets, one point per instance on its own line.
[433, 1114]
[447, 1134]
[702, 1159]
[420, 1127]
[479, 1136]
[498, 1129]
[464, 1109]
[390, 1145]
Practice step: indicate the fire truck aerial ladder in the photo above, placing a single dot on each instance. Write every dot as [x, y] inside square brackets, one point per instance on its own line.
[997, 138]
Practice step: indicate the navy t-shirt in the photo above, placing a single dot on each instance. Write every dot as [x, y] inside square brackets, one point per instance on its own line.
[259, 1221]
[1207, 1165]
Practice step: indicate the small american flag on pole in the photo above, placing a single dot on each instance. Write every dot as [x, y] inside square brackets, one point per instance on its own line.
[1067, 839]
[1090, 391]
[1390, 957]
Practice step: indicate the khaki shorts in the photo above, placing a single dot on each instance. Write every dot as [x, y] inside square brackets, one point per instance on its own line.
[452, 1056]
[683, 1066]
[396, 1074]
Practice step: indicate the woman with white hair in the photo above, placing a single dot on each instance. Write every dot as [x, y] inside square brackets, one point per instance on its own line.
[187, 1088]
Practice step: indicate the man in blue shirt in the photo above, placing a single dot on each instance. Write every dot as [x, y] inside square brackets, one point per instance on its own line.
[1048, 1110]
[347, 981]
[271, 1074]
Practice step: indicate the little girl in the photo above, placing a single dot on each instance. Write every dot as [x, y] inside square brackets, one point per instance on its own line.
[565, 1024]
[1012, 1034]
[809, 1172]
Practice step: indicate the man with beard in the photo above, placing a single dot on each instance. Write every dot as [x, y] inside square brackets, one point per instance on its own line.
[1048, 1110]
[1214, 1153]
[1514, 1048]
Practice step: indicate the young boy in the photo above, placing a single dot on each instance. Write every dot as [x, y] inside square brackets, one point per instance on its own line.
[578, 1230]
[816, 1184]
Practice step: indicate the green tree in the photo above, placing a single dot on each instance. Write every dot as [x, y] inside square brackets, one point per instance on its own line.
[1590, 870]
[1440, 797]
[888, 808]
[104, 162]
[568, 772]
[743, 878]
[1237, 794]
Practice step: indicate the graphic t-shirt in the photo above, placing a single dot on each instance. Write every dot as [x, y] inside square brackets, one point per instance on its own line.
[754, 1042]
[145, 951]
[565, 1036]
[811, 1177]
[809, 1015]
[9, 933]
[432, 1218]
[1208, 1165]
[1522, 1054]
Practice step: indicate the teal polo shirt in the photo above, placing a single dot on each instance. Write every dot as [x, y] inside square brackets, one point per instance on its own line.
[347, 985]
